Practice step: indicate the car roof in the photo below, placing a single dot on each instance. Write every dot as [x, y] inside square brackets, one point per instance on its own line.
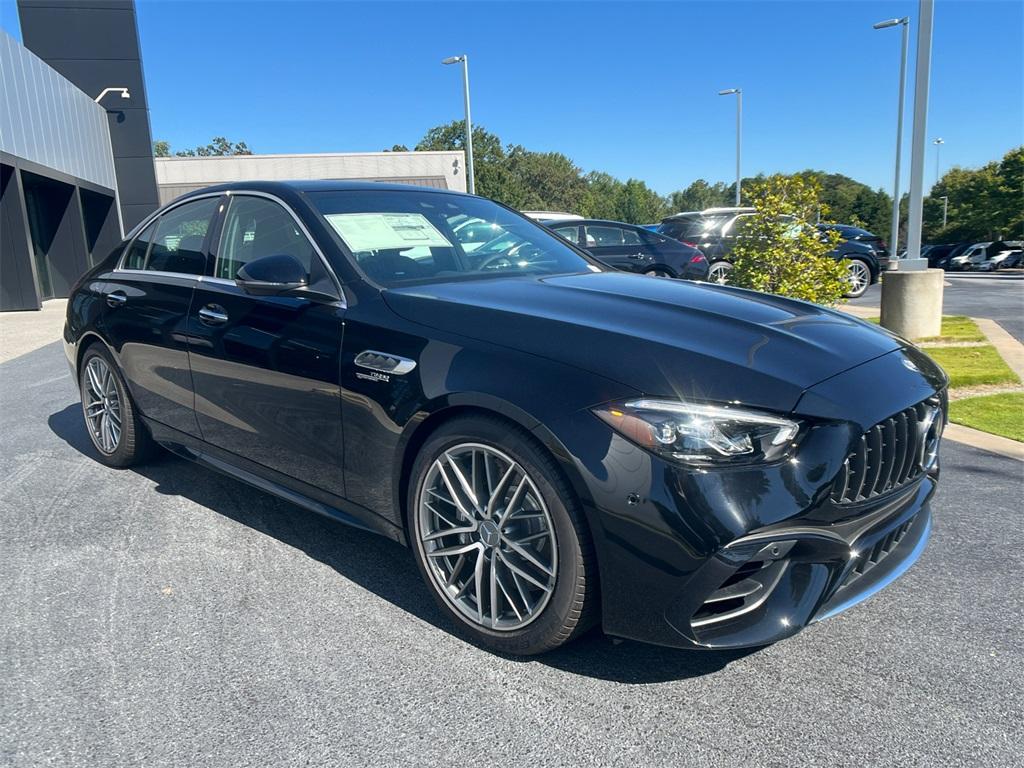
[319, 185]
[609, 222]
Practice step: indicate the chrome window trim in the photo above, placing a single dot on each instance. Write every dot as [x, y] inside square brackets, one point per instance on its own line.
[302, 227]
[141, 227]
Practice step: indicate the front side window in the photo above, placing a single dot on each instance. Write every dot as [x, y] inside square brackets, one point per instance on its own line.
[403, 236]
[256, 227]
[174, 242]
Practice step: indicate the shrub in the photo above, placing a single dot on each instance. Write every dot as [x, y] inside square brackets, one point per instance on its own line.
[780, 250]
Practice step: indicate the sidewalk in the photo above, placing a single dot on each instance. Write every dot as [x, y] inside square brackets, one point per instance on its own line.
[23, 332]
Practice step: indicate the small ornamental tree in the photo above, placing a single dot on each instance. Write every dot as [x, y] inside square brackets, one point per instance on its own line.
[780, 250]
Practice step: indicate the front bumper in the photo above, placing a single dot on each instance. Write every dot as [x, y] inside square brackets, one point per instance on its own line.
[744, 556]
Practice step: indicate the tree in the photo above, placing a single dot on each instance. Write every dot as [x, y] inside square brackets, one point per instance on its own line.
[161, 149]
[780, 250]
[219, 147]
[985, 203]
[700, 195]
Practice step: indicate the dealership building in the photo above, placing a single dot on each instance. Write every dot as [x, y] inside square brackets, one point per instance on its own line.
[76, 152]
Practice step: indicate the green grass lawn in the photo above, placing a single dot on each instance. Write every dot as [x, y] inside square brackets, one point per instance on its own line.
[998, 414]
[954, 328]
[971, 366]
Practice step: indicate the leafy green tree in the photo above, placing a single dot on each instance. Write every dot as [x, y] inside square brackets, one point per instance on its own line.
[219, 147]
[161, 148]
[700, 195]
[985, 203]
[602, 195]
[780, 250]
[639, 204]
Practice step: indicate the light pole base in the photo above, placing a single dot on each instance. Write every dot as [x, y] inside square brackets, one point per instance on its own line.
[912, 302]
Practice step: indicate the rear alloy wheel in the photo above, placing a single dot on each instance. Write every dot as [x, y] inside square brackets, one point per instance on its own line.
[719, 272]
[111, 420]
[858, 278]
[499, 538]
[658, 272]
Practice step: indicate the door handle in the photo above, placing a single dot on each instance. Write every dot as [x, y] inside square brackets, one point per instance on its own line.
[117, 299]
[636, 256]
[213, 314]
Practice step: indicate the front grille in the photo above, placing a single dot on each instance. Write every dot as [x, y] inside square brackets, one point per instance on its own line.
[872, 557]
[887, 456]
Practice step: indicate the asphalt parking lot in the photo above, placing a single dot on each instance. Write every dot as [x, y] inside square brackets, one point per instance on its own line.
[170, 616]
[997, 296]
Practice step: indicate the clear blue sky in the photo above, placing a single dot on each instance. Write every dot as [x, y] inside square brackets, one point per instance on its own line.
[625, 87]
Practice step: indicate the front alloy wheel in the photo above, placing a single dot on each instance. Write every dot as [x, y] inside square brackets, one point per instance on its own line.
[488, 537]
[858, 278]
[500, 537]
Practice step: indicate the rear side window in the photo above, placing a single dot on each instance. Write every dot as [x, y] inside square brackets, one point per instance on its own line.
[599, 236]
[629, 237]
[255, 227]
[174, 242]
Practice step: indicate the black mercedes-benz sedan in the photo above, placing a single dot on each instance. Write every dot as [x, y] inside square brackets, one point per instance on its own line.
[559, 445]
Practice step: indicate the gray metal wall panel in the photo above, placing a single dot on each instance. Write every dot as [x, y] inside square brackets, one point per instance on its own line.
[49, 121]
[95, 44]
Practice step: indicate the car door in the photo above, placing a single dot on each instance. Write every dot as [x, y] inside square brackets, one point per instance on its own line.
[266, 369]
[617, 246]
[149, 295]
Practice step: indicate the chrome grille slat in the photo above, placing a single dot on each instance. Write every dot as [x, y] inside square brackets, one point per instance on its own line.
[883, 459]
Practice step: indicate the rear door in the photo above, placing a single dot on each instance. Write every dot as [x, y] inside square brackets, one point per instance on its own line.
[267, 368]
[149, 295]
[617, 246]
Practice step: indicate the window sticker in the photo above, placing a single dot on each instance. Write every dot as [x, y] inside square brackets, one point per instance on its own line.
[386, 231]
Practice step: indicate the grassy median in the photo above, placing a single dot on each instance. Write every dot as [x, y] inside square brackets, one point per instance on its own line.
[972, 366]
[1001, 414]
[955, 328]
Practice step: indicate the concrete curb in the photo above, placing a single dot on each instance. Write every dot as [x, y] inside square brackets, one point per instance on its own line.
[975, 438]
[1011, 350]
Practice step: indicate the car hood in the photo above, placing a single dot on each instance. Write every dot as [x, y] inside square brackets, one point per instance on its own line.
[661, 337]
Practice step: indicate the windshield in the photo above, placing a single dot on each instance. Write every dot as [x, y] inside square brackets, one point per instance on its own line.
[400, 236]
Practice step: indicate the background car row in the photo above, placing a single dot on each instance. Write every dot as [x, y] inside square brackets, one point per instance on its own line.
[975, 257]
[717, 230]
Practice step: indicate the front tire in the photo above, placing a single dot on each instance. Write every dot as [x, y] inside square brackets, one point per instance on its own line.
[500, 538]
[659, 272]
[858, 277]
[111, 419]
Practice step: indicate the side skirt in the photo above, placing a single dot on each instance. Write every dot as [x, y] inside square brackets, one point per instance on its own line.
[272, 482]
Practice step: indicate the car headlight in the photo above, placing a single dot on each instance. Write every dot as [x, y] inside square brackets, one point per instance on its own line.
[699, 433]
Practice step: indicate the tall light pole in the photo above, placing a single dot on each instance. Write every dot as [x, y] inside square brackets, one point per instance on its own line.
[945, 209]
[922, 76]
[895, 230]
[739, 132]
[938, 148]
[464, 59]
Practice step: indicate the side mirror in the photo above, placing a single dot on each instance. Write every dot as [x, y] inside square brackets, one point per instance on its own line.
[271, 275]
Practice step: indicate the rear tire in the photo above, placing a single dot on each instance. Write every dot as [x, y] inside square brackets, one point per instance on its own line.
[659, 272]
[858, 277]
[522, 576]
[719, 272]
[111, 418]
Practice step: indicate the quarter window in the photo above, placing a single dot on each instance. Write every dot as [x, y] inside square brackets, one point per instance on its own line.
[174, 242]
[572, 234]
[254, 228]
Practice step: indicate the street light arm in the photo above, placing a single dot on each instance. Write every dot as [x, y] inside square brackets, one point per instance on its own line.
[124, 93]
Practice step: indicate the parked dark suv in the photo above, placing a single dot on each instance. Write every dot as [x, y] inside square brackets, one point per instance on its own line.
[634, 249]
[716, 230]
[560, 444]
